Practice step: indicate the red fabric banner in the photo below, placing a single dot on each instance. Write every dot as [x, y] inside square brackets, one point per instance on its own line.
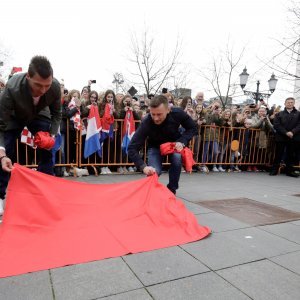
[52, 222]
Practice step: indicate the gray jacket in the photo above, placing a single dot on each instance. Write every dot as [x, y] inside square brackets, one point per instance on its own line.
[17, 109]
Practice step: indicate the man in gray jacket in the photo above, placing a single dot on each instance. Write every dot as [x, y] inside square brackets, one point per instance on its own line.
[29, 99]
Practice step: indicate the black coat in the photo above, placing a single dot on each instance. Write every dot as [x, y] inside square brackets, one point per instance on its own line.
[285, 122]
[156, 135]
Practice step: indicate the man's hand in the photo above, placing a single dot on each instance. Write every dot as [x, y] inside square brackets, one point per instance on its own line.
[6, 164]
[179, 146]
[290, 134]
[149, 171]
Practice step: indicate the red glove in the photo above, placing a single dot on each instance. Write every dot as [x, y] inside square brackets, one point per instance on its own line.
[44, 140]
[167, 148]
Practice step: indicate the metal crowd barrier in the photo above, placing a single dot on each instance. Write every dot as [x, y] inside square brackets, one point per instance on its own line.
[212, 145]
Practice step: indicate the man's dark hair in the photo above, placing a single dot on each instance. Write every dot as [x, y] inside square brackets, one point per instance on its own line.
[289, 98]
[158, 100]
[40, 65]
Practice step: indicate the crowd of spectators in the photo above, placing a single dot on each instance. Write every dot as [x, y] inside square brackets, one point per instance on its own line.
[218, 126]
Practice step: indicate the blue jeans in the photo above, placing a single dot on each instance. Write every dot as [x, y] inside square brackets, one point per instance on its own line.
[155, 161]
[45, 164]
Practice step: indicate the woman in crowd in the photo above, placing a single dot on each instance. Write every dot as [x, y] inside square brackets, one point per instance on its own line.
[225, 137]
[211, 135]
[200, 118]
[261, 121]
[108, 114]
[128, 113]
[74, 127]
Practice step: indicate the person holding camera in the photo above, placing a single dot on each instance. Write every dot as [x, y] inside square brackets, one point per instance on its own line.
[127, 114]
[211, 135]
[29, 99]
[158, 127]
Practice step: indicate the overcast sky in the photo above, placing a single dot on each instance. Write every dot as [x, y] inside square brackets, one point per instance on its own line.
[91, 39]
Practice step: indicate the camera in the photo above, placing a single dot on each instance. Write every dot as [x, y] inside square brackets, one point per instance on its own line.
[93, 81]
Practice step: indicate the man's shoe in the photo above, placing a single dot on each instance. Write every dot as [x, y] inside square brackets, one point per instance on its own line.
[130, 170]
[292, 174]
[108, 171]
[214, 169]
[1, 207]
[125, 170]
[172, 190]
[221, 169]
[103, 171]
[236, 169]
[85, 172]
[120, 170]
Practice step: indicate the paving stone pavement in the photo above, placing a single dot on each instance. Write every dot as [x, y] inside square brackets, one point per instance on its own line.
[237, 261]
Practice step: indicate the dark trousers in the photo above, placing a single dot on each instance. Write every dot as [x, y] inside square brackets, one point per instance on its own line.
[292, 149]
[45, 163]
[155, 161]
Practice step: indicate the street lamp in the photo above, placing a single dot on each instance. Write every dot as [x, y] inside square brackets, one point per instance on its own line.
[257, 95]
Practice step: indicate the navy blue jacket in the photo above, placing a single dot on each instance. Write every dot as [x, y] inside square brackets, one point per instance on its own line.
[156, 135]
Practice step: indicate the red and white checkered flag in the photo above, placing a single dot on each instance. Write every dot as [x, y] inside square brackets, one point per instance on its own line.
[27, 138]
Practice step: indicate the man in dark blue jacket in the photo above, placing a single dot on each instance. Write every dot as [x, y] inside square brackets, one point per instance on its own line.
[158, 127]
[287, 138]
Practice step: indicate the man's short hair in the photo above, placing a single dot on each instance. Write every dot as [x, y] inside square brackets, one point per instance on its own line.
[289, 98]
[158, 100]
[41, 65]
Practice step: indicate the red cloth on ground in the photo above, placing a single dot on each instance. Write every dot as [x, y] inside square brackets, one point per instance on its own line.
[52, 222]
[186, 154]
[44, 140]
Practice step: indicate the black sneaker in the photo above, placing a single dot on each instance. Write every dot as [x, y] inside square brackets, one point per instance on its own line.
[273, 173]
[292, 174]
[172, 190]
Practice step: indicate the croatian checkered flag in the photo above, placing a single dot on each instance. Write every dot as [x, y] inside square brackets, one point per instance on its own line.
[27, 138]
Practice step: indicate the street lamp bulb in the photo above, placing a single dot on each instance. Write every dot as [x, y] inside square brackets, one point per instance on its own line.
[244, 78]
[272, 83]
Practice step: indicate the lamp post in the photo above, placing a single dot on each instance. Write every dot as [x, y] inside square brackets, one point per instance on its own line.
[257, 95]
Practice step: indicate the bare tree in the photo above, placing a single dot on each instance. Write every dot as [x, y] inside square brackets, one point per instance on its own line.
[221, 72]
[285, 61]
[153, 69]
